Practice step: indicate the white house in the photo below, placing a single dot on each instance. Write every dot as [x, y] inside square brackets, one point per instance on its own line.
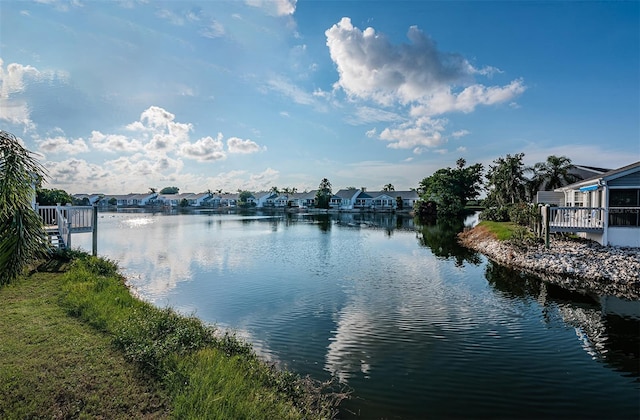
[604, 208]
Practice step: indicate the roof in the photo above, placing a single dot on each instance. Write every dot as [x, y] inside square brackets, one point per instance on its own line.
[607, 176]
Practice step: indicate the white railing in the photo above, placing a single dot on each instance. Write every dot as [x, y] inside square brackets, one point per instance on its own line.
[577, 218]
[67, 220]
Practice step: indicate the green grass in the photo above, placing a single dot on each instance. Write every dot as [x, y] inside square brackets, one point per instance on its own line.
[55, 366]
[503, 231]
[78, 344]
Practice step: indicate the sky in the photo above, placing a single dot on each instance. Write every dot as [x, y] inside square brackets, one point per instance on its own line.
[121, 96]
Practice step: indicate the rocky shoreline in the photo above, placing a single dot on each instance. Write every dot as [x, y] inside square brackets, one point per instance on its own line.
[574, 264]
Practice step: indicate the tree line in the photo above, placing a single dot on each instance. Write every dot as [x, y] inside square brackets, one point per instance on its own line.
[506, 185]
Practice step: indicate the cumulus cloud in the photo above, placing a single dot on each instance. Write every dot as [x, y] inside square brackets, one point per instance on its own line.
[236, 145]
[114, 143]
[275, 7]
[204, 150]
[62, 145]
[460, 133]
[70, 172]
[415, 75]
[371, 67]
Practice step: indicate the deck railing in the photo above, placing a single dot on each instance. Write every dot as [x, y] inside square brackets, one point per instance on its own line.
[576, 219]
[67, 220]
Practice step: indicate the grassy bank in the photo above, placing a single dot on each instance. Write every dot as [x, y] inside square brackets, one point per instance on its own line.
[75, 343]
[501, 231]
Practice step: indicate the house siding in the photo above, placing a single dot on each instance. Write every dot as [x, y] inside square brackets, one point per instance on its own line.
[630, 180]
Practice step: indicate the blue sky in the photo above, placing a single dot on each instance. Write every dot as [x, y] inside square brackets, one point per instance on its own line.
[121, 96]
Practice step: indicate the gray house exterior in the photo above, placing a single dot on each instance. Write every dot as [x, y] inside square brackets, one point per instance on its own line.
[604, 208]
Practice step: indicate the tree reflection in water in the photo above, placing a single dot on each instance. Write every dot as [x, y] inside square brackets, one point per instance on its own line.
[441, 236]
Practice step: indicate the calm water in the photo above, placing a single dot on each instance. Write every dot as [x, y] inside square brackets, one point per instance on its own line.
[416, 326]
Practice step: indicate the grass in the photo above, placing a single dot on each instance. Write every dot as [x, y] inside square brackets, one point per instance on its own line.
[77, 344]
[55, 366]
[502, 231]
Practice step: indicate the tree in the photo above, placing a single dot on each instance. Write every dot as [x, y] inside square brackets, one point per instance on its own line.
[389, 187]
[22, 236]
[46, 197]
[554, 173]
[243, 199]
[451, 188]
[506, 183]
[184, 203]
[170, 190]
[152, 190]
[323, 196]
[275, 190]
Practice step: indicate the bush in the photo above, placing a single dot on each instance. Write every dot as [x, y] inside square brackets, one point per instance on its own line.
[495, 214]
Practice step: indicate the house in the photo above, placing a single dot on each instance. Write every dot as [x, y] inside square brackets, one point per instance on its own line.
[385, 200]
[344, 199]
[604, 208]
[91, 199]
[128, 200]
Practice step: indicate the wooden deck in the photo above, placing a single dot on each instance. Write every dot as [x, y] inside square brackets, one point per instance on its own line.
[60, 222]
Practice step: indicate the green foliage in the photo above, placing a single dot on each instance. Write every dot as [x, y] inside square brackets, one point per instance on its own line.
[553, 173]
[209, 375]
[506, 181]
[184, 203]
[113, 201]
[495, 214]
[389, 187]
[46, 197]
[55, 366]
[170, 190]
[451, 188]
[399, 203]
[243, 199]
[151, 337]
[22, 236]
[323, 196]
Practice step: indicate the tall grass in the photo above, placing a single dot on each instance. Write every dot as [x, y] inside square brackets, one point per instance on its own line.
[210, 374]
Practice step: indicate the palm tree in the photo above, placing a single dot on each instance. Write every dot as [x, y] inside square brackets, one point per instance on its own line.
[555, 172]
[22, 235]
[389, 187]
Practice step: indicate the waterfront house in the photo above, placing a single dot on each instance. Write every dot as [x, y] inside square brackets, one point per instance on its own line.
[385, 200]
[91, 199]
[604, 208]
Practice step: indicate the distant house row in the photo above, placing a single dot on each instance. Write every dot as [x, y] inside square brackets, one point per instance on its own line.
[346, 199]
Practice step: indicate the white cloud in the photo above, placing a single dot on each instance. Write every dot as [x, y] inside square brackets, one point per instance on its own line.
[469, 98]
[71, 172]
[365, 115]
[288, 89]
[236, 145]
[370, 67]
[204, 150]
[418, 133]
[168, 15]
[61, 144]
[214, 29]
[275, 7]
[460, 133]
[114, 143]
[416, 75]
[15, 81]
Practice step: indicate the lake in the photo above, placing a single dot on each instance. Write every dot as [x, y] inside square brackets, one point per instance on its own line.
[413, 324]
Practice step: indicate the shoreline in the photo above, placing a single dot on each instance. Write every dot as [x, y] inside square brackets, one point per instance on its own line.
[578, 265]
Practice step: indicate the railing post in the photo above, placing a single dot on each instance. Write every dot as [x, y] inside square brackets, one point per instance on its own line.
[94, 231]
[546, 218]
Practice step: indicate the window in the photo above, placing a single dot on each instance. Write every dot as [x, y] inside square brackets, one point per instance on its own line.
[624, 207]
